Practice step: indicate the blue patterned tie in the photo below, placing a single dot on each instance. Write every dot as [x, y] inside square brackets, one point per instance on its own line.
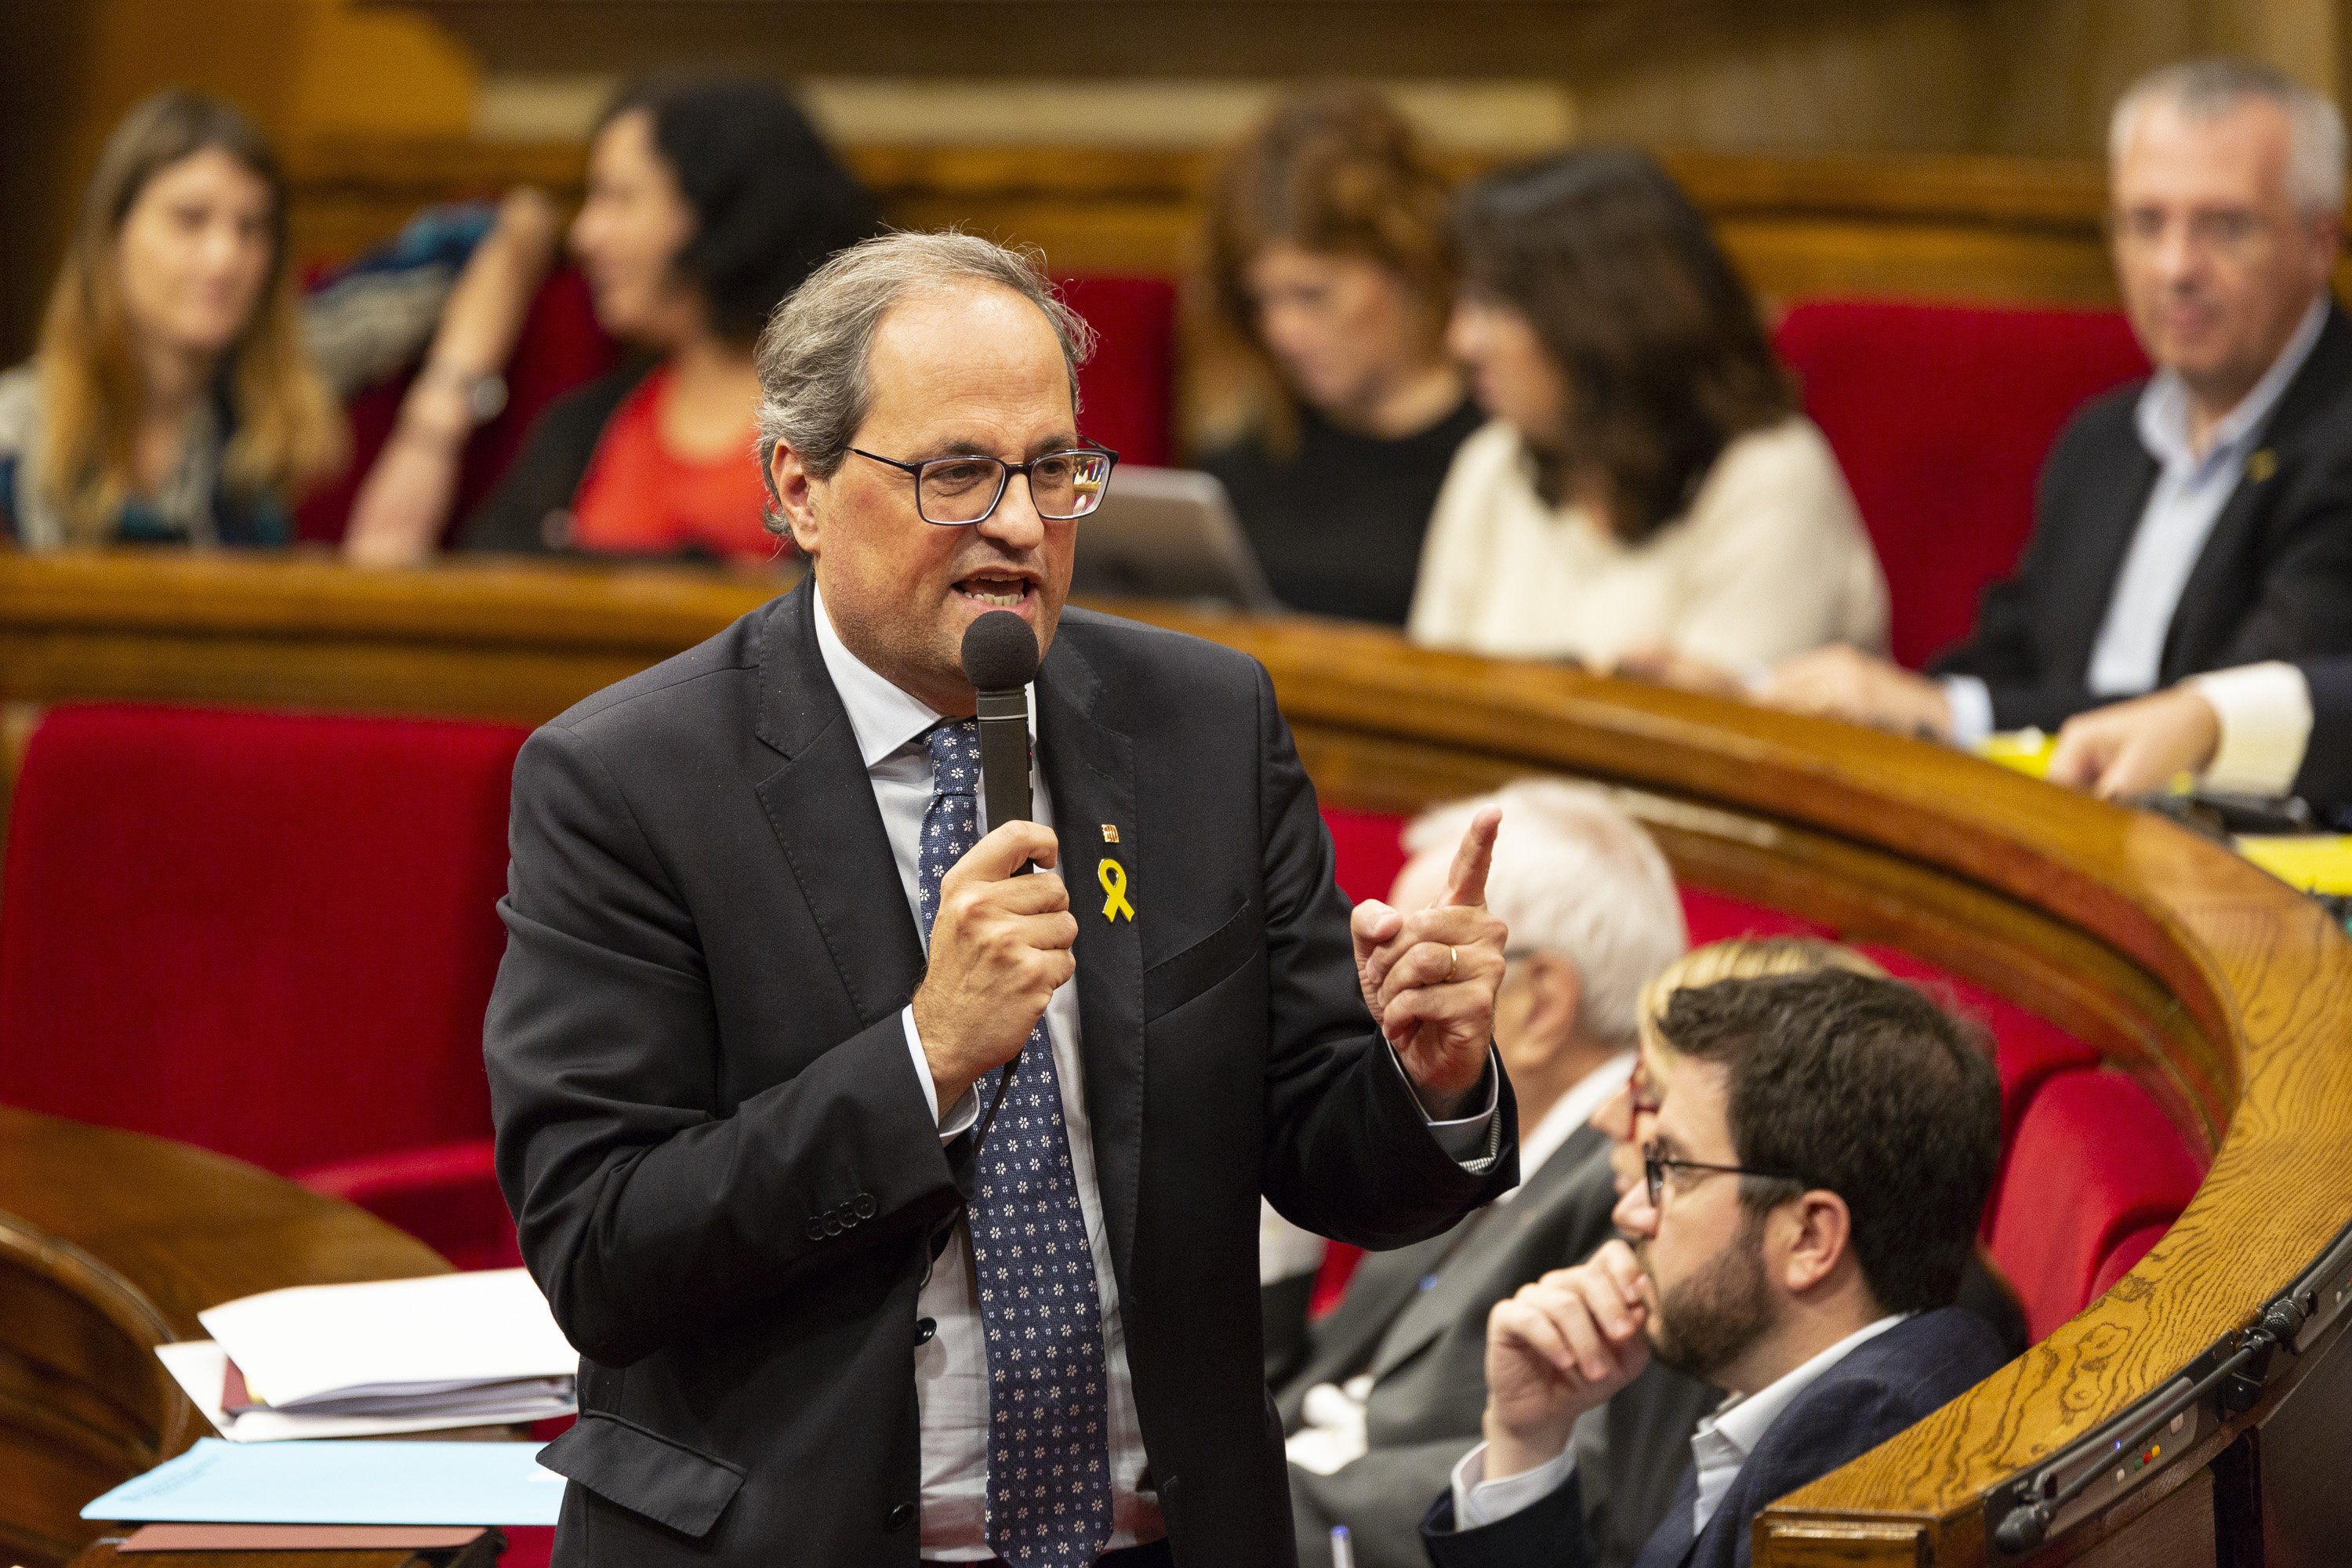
[1048, 1466]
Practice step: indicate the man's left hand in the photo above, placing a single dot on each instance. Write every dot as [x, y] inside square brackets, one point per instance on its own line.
[1430, 977]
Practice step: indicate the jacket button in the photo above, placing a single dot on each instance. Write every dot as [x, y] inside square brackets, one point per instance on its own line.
[899, 1518]
[816, 1228]
[925, 1327]
[865, 1208]
[833, 1224]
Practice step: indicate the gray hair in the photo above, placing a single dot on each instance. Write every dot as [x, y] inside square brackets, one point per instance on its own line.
[814, 357]
[1573, 875]
[2209, 89]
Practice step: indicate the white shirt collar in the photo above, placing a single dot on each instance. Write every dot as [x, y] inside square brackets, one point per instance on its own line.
[2162, 414]
[1724, 1439]
[885, 718]
[1568, 1113]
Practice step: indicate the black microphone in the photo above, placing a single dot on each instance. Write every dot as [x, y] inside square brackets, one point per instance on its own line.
[1000, 659]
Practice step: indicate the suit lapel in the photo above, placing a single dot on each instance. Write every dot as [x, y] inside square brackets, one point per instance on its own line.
[2105, 538]
[1670, 1544]
[820, 805]
[1468, 1270]
[1089, 771]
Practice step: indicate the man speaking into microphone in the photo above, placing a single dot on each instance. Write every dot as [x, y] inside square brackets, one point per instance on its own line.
[902, 1202]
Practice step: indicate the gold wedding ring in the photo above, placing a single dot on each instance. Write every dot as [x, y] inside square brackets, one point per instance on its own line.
[1453, 960]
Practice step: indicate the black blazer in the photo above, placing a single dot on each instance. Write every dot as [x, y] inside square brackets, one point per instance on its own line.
[2274, 580]
[2326, 777]
[545, 474]
[724, 1170]
[1881, 1387]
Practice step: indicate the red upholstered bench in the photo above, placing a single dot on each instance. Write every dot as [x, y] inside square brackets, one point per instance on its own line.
[1941, 417]
[2093, 1171]
[270, 935]
[1128, 389]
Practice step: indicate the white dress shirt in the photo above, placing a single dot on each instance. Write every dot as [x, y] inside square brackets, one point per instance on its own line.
[1718, 1448]
[2191, 489]
[951, 1370]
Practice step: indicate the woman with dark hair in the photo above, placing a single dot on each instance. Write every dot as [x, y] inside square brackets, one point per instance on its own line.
[1328, 272]
[1647, 496]
[708, 203]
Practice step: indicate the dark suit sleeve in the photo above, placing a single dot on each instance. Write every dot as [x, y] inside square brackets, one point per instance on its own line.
[2326, 778]
[1547, 1533]
[641, 1215]
[1347, 1152]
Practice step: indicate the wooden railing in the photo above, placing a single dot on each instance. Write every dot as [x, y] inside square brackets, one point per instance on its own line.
[2227, 994]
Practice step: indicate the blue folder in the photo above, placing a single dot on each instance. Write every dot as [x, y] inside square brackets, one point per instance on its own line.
[326, 1482]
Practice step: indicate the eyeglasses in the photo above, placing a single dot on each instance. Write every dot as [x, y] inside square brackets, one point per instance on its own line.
[956, 492]
[1656, 1166]
[2226, 231]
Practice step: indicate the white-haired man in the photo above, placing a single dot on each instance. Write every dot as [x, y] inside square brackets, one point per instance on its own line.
[1389, 1392]
[766, 962]
[2203, 518]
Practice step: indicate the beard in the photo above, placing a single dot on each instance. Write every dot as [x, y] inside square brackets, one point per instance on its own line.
[1707, 1320]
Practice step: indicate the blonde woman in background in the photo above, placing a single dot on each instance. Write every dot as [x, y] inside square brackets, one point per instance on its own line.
[185, 392]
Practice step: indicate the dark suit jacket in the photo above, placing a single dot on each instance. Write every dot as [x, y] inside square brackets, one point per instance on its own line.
[1415, 1320]
[1879, 1389]
[2274, 580]
[726, 1175]
[2326, 777]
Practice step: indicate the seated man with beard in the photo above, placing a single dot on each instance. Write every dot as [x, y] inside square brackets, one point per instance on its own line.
[1820, 1161]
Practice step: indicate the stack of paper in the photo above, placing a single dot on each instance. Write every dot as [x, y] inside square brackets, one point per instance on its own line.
[394, 1355]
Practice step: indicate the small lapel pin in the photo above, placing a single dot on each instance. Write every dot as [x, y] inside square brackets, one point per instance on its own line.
[1113, 876]
[2262, 465]
[1110, 832]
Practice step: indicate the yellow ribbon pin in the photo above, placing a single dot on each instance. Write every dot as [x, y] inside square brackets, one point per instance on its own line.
[1113, 876]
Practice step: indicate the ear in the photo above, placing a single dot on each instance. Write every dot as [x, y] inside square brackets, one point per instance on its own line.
[795, 496]
[1555, 989]
[1817, 1232]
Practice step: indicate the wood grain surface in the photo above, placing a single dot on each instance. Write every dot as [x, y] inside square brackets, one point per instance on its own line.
[2229, 993]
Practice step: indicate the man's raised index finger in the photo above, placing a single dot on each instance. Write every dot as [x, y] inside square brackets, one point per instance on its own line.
[1465, 884]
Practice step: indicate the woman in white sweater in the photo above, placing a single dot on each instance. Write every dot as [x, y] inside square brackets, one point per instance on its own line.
[1646, 498]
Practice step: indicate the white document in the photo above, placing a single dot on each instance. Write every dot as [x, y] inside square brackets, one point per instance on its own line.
[358, 1349]
[200, 1367]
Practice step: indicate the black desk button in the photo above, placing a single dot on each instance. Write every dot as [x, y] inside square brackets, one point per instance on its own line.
[926, 1329]
[899, 1518]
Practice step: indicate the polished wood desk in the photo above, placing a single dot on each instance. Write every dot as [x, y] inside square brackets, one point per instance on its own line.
[110, 1243]
[2227, 994]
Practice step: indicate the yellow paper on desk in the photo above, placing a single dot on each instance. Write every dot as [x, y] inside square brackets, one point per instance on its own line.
[2314, 862]
[2026, 750]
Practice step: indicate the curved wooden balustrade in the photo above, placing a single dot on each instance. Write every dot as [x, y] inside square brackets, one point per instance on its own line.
[110, 1243]
[2230, 995]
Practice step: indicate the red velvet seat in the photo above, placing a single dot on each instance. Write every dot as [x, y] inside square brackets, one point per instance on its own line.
[268, 935]
[2095, 1170]
[1128, 388]
[1941, 417]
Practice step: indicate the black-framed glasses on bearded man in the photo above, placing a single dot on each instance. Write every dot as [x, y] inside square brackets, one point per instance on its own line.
[961, 491]
[1654, 1166]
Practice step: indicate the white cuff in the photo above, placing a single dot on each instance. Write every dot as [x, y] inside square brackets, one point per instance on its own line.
[965, 1112]
[1970, 701]
[1471, 1142]
[2265, 722]
[1479, 1501]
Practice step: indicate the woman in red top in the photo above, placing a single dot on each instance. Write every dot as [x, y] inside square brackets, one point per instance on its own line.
[708, 202]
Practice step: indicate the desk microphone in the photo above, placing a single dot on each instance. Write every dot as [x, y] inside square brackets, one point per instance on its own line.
[1000, 659]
